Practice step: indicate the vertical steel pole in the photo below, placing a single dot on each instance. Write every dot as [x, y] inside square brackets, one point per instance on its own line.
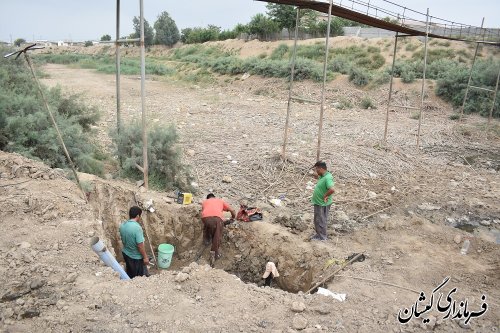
[143, 100]
[117, 52]
[423, 79]
[292, 74]
[470, 77]
[494, 99]
[325, 70]
[390, 88]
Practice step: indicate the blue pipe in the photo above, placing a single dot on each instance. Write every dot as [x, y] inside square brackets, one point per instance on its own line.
[106, 256]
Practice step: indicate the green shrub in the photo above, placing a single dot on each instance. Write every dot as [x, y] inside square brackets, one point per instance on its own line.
[166, 170]
[25, 126]
[381, 78]
[367, 103]
[340, 64]
[451, 87]
[359, 77]
[454, 116]
[280, 52]
[408, 77]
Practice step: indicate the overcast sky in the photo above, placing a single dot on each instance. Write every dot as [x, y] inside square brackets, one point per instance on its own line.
[90, 19]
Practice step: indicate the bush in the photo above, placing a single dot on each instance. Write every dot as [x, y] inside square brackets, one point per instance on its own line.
[280, 52]
[381, 78]
[166, 170]
[408, 77]
[25, 126]
[367, 103]
[451, 87]
[359, 77]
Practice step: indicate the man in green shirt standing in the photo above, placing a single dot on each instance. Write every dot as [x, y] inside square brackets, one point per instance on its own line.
[322, 200]
[133, 251]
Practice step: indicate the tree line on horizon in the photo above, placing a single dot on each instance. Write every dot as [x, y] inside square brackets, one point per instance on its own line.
[277, 17]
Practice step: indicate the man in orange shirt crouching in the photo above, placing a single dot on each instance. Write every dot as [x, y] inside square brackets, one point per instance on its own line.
[212, 211]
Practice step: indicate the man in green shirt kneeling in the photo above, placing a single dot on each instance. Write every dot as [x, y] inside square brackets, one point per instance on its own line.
[134, 253]
[322, 200]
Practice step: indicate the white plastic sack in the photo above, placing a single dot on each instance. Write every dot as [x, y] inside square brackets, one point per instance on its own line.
[326, 292]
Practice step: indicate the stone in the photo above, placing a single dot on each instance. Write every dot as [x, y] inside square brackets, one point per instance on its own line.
[227, 179]
[24, 245]
[71, 278]
[457, 239]
[108, 176]
[298, 307]
[299, 322]
[427, 206]
[181, 277]
[372, 195]
[485, 223]
[190, 152]
[341, 216]
[30, 313]
[139, 183]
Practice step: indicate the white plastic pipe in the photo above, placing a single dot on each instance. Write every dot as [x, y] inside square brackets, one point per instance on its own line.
[107, 257]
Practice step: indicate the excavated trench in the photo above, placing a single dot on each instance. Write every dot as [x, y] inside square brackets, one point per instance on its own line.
[246, 247]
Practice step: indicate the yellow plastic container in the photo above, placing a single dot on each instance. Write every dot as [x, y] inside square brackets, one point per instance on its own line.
[185, 198]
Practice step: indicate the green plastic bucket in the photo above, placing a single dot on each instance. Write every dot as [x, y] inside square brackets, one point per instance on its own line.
[165, 252]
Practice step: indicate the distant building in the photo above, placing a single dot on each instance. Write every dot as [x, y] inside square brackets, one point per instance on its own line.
[44, 42]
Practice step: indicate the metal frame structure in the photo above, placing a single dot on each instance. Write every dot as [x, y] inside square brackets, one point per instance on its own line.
[118, 42]
[495, 91]
[404, 26]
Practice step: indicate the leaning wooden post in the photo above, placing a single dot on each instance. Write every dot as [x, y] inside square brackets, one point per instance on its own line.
[490, 117]
[390, 88]
[292, 75]
[143, 101]
[53, 120]
[423, 79]
[325, 72]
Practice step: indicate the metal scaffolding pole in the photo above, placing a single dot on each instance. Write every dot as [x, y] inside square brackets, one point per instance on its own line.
[390, 88]
[117, 52]
[292, 75]
[423, 79]
[470, 76]
[494, 99]
[325, 70]
[143, 100]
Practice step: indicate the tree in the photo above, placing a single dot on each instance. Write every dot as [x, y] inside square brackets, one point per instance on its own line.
[283, 15]
[262, 26]
[167, 32]
[88, 43]
[19, 41]
[105, 38]
[149, 33]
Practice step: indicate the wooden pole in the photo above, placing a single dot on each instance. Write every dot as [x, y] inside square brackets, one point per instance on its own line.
[117, 60]
[334, 273]
[470, 77]
[292, 75]
[325, 72]
[423, 80]
[143, 100]
[390, 88]
[490, 117]
[53, 120]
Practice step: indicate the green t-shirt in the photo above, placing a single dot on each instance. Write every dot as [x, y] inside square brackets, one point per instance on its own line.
[131, 234]
[325, 183]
